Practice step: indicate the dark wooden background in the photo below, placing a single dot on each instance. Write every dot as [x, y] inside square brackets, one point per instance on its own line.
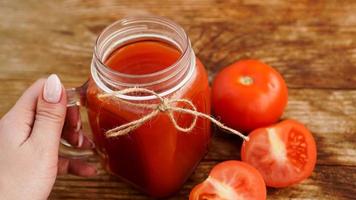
[312, 43]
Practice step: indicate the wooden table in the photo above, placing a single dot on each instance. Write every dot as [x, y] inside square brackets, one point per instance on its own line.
[312, 43]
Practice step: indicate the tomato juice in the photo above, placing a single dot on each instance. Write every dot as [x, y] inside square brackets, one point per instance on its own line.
[156, 157]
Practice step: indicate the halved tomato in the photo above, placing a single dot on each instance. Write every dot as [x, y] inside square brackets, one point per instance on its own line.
[231, 180]
[284, 153]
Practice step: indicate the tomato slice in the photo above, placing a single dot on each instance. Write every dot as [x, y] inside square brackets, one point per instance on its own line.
[231, 180]
[284, 153]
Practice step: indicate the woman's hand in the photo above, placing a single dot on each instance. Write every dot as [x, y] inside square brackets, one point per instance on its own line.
[29, 139]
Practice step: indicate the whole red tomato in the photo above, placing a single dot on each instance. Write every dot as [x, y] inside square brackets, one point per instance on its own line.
[249, 94]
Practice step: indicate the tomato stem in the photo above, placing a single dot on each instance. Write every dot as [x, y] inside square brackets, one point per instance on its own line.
[246, 80]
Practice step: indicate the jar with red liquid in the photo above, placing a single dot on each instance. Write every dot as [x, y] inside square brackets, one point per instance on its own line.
[153, 53]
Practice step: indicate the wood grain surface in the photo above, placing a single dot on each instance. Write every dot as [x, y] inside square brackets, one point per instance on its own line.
[311, 42]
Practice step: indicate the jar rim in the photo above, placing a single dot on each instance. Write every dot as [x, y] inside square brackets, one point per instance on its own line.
[143, 18]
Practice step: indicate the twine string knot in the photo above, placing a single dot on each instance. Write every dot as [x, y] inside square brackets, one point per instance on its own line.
[165, 105]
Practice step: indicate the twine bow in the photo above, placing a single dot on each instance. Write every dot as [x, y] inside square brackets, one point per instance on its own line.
[166, 105]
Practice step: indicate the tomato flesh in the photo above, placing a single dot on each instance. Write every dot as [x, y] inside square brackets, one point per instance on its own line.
[231, 180]
[284, 153]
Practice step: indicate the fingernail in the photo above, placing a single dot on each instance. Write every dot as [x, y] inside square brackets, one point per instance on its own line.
[80, 139]
[52, 89]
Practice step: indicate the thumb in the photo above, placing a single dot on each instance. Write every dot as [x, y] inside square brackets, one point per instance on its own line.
[50, 114]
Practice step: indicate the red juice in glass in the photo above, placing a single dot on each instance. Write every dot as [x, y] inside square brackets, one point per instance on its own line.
[157, 158]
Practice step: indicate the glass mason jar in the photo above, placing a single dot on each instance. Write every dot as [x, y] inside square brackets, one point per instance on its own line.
[156, 157]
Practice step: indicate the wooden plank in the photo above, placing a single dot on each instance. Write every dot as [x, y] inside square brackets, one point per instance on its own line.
[329, 114]
[328, 182]
[313, 45]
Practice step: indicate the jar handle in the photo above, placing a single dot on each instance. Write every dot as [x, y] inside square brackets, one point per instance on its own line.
[75, 99]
